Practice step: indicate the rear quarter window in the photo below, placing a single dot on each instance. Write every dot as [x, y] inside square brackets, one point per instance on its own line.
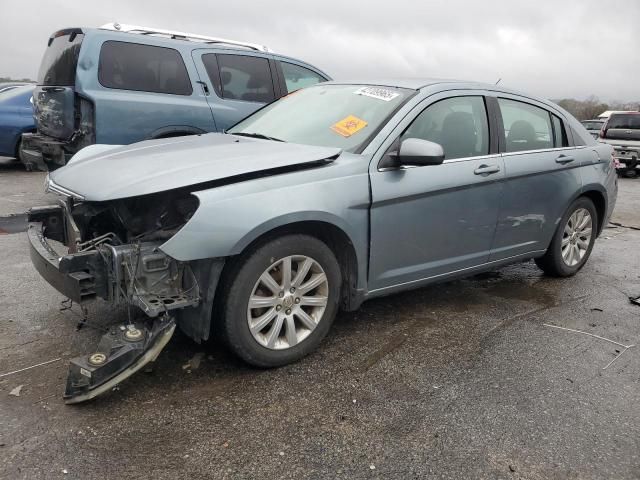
[146, 68]
[297, 77]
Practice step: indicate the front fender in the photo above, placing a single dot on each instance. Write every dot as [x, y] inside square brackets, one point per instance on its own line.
[230, 217]
[288, 219]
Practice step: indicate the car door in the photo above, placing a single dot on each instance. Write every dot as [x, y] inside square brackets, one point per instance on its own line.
[542, 175]
[433, 220]
[235, 85]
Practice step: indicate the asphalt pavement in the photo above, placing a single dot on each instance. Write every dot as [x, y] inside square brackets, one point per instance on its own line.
[458, 380]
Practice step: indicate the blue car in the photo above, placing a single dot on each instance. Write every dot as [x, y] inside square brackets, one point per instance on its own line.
[16, 118]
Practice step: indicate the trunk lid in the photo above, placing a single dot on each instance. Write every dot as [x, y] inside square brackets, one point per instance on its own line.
[54, 97]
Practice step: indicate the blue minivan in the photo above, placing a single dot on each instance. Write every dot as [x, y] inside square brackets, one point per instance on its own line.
[120, 84]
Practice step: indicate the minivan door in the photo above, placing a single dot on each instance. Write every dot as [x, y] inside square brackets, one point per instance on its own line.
[54, 96]
[541, 176]
[235, 85]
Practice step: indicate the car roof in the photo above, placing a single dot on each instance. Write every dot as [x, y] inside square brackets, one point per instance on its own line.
[421, 83]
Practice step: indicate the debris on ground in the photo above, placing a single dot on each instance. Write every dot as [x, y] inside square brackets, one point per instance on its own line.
[596, 309]
[16, 391]
[194, 363]
[619, 352]
[29, 368]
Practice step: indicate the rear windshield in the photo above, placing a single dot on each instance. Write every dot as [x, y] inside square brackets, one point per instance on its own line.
[627, 120]
[60, 59]
[592, 125]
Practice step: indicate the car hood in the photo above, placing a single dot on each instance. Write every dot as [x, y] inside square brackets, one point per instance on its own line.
[158, 165]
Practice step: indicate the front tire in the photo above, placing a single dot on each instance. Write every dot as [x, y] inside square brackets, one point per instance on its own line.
[280, 300]
[573, 241]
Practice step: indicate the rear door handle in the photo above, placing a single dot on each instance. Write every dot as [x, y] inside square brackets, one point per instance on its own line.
[486, 169]
[205, 88]
[562, 159]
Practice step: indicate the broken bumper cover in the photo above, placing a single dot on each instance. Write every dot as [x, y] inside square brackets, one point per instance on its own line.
[72, 275]
[105, 273]
[39, 152]
[122, 352]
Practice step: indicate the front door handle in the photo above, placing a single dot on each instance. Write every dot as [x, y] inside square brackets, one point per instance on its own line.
[486, 169]
[562, 159]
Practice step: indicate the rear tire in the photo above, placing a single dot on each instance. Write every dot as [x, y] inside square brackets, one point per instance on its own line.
[269, 317]
[573, 241]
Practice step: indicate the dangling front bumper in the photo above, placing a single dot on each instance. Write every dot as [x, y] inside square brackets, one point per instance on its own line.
[138, 275]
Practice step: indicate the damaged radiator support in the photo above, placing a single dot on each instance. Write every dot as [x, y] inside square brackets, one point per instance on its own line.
[135, 274]
[142, 276]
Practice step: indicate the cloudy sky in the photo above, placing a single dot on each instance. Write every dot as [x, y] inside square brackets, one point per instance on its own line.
[556, 49]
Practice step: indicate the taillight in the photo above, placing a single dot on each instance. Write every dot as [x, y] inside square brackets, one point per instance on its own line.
[603, 132]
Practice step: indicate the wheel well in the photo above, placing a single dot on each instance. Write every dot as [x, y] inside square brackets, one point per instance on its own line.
[335, 238]
[601, 206]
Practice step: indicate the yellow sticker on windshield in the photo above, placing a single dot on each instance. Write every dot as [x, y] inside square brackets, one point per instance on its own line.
[348, 126]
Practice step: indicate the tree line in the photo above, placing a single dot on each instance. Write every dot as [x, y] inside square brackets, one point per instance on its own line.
[592, 107]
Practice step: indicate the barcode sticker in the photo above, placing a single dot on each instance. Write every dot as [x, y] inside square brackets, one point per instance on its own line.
[376, 92]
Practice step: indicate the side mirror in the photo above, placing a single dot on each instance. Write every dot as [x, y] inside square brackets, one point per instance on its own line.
[419, 152]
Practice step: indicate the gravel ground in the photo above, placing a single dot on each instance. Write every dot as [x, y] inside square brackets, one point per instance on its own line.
[459, 380]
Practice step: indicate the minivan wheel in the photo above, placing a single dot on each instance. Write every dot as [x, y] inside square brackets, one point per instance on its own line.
[280, 300]
[573, 241]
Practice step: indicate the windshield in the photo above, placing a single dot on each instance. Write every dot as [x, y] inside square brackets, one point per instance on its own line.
[342, 116]
[626, 120]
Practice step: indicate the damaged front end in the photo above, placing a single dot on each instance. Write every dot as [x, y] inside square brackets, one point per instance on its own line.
[111, 250]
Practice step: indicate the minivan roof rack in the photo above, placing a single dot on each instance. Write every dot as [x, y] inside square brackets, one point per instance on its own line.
[122, 27]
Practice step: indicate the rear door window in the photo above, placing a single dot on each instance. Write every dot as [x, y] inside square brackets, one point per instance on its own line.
[297, 77]
[526, 127]
[146, 68]
[243, 77]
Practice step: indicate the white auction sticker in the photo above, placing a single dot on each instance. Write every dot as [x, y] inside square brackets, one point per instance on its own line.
[377, 92]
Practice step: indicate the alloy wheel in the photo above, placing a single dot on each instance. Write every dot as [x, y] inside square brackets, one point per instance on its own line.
[287, 302]
[577, 237]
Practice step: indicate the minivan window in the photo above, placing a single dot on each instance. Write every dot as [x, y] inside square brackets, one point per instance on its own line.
[58, 66]
[246, 78]
[526, 127]
[459, 124]
[131, 66]
[297, 77]
[559, 133]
